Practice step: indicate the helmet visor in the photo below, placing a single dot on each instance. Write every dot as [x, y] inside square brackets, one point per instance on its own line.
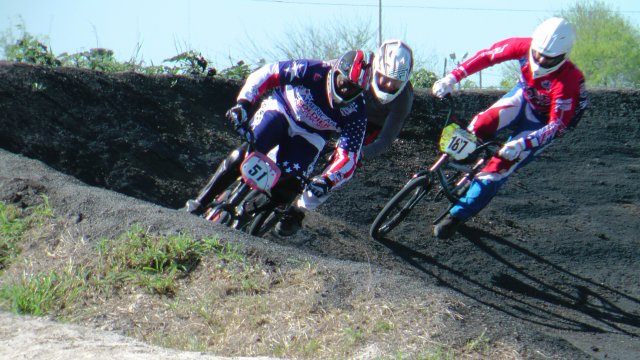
[387, 84]
[546, 61]
[345, 89]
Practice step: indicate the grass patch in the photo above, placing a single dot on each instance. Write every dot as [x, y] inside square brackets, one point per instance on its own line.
[155, 262]
[14, 223]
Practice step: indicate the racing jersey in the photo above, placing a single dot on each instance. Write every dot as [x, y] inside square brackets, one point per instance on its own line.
[300, 87]
[389, 118]
[560, 96]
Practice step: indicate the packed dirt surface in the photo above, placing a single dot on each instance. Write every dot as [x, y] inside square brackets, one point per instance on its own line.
[36, 338]
[552, 264]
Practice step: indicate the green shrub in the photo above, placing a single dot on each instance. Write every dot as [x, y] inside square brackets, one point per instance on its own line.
[423, 79]
[28, 49]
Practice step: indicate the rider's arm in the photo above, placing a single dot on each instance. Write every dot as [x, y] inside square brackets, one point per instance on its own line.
[345, 157]
[272, 75]
[509, 49]
[568, 102]
[259, 82]
[401, 107]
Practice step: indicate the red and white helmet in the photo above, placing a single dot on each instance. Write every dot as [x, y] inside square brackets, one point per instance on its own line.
[348, 78]
[551, 42]
[392, 67]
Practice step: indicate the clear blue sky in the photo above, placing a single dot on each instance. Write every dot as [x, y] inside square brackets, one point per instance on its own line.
[223, 29]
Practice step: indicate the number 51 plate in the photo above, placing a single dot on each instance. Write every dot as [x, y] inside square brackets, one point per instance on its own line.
[457, 142]
[260, 172]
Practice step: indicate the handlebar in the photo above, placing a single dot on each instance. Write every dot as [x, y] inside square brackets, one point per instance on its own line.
[451, 112]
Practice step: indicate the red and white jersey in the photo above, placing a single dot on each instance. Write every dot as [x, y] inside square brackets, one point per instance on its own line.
[559, 96]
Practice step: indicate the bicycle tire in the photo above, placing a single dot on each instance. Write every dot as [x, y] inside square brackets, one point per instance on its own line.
[263, 222]
[400, 205]
[221, 210]
[253, 204]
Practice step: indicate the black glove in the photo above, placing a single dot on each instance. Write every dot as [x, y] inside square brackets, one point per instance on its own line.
[238, 114]
[319, 186]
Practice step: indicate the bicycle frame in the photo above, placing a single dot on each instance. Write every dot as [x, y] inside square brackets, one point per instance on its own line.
[453, 191]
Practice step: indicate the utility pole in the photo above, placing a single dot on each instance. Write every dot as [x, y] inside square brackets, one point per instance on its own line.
[379, 22]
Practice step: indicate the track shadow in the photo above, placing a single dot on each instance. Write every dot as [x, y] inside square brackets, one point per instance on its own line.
[522, 284]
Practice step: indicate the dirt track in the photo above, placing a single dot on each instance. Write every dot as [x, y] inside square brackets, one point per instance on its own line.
[553, 262]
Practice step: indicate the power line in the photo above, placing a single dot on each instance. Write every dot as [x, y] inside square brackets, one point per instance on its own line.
[415, 6]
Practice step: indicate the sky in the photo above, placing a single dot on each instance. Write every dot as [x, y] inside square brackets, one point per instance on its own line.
[226, 31]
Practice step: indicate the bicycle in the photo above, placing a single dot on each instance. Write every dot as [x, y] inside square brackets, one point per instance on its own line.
[461, 157]
[247, 204]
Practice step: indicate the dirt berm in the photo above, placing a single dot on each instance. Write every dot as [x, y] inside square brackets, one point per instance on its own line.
[553, 264]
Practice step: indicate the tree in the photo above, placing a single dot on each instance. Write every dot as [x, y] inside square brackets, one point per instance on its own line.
[510, 74]
[326, 41]
[329, 41]
[607, 49]
[423, 78]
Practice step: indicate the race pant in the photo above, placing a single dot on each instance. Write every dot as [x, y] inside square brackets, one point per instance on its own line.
[510, 111]
[297, 148]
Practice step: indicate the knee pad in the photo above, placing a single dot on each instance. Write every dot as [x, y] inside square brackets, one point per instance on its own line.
[236, 157]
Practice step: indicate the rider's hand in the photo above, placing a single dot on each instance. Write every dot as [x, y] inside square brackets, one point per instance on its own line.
[511, 150]
[319, 186]
[238, 114]
[444, 86]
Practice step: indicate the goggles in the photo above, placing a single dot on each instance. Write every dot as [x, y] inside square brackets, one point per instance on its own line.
[345, 89]
[387, 84]
[546, 61]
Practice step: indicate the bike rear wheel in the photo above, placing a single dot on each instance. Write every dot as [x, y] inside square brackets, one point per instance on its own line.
[218, 215]
[222, 209]
[400, 205]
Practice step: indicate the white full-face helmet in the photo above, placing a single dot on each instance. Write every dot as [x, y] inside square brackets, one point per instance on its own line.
[392, 67]
[551, 43]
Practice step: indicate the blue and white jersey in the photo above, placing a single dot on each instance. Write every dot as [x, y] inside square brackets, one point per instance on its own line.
[300, 89]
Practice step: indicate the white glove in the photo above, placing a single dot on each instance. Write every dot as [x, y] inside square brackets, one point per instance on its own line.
[444, 86]
[511, 150]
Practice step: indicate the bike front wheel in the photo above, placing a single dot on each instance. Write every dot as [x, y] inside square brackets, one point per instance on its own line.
[400, 205]
[263, 222]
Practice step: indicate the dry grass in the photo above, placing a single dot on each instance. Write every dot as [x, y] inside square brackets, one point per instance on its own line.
[239, 306]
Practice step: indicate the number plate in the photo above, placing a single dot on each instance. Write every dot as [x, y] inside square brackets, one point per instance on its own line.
[260, 172]
[457, 142]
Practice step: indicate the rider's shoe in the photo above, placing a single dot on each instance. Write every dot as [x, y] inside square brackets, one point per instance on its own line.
[290, 223]
[446, 227]
[193, 207]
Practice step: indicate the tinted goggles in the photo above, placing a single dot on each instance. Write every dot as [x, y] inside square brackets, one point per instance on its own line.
[387, 84]
[346, 89]
[546, 61]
